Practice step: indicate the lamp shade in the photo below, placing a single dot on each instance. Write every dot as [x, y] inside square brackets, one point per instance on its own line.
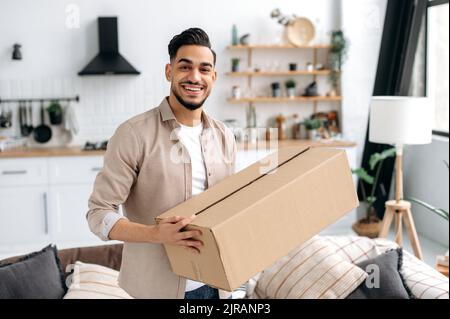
[400, 120]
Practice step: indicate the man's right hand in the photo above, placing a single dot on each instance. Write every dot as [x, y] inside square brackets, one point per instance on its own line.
[169, 231]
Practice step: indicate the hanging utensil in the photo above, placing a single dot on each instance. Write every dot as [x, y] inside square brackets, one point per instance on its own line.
[5, 117]
[42, 133]
[30, 118]
[22, 119]
[29, 115]
[2, 116]
[8, 117]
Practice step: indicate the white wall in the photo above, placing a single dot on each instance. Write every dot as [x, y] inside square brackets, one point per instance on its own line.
[362, 22]
[426, 178]
[54, 53]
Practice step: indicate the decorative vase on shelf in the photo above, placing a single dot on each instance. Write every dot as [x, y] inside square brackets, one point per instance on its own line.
[236, 92]
[234, 35]
[291, 92]
[235, 65]
[290, 85]
[251, 116]
[332, 93]
[276, 90]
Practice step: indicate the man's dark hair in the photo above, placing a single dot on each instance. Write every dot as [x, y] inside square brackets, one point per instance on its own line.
[195, 36]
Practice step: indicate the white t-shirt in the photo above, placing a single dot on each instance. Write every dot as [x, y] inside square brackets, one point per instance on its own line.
[190, 137]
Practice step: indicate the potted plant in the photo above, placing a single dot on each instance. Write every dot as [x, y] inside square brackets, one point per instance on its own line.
[369, 225]
[312, 125]
[55, 113]
[290, 88]
[276, 89]
[337, 56]
[235, 64]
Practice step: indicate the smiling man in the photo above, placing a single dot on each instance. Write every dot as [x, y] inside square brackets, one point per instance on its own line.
[157, 160]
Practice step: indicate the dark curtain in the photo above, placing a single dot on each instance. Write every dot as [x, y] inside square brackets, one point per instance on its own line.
[395, 63]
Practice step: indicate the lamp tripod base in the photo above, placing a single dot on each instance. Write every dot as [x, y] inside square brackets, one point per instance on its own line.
[401, 210]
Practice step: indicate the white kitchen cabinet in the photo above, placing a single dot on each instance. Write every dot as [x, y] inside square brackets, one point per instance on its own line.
[68, 205]
[23, 171]
[71, 181]
[24, 216]
[45, 200]
[74, 169]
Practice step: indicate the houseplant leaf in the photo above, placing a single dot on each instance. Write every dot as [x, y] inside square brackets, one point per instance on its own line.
[377, 157]
[362, 174]
[438, 211]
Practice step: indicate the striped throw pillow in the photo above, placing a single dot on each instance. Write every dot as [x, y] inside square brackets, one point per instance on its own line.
[312, 271]
[90, 281]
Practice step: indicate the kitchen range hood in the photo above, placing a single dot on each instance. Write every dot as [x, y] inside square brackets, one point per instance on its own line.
[108, 60]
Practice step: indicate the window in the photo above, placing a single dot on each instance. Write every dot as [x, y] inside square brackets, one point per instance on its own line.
[430, 74]
[437, 63]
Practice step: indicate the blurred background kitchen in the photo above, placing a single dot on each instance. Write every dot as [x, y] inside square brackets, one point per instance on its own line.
[58, 39]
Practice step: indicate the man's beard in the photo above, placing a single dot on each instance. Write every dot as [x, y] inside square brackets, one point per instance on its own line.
[189, 106]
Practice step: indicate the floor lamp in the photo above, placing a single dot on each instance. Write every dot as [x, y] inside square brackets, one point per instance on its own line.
[400, 121]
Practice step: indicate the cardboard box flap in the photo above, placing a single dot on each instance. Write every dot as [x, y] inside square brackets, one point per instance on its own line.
[238, 202]
[232, 184]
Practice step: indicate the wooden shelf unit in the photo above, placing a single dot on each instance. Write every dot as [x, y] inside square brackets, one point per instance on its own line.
[279, 73]
[300, 99]
[278, 46]
[269, 99]
[266, 145]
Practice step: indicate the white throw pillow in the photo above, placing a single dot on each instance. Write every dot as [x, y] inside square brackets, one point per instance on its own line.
[311, 271]
[354, 249]
[424, 281]
[90, 281]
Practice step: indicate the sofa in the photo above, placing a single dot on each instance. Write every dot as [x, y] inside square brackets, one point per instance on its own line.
[92, 272]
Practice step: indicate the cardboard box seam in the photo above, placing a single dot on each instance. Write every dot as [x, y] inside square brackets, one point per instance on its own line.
[251, 182]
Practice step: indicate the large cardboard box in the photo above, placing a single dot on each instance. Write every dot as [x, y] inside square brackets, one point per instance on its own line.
[260, 214]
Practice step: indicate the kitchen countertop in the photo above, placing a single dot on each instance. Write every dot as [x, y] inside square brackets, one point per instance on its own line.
[49, 152]
[295, 143]
[78, 150]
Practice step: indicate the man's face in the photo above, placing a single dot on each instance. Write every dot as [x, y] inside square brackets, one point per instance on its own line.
[192, 75]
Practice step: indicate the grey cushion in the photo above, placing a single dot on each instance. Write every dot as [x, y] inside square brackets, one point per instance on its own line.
[391, 283]
[35, 276]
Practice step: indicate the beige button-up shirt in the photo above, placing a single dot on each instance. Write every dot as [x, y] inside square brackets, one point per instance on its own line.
[147, 170]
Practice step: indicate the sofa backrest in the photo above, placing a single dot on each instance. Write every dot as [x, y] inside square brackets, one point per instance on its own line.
[105, 255]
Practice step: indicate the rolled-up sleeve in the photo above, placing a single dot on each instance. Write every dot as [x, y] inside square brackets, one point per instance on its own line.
[113, 183]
